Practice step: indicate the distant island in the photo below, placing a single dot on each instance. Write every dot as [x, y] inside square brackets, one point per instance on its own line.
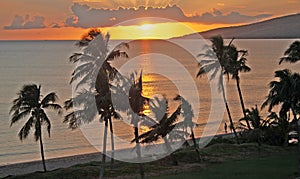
[286, 27]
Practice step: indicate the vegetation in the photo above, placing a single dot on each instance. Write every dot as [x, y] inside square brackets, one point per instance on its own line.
[30, 103]
[227, 160]
[292, 54]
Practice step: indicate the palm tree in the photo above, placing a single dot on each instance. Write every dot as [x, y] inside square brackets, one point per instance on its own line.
[292, 54]
[217, 64]
[161, 126]
[95, 72]
[30, 103]
[188, 114]
[137, 101]
[286, 94]
[237, 64]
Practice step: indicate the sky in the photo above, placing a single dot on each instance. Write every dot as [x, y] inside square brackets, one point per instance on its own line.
[130, 19]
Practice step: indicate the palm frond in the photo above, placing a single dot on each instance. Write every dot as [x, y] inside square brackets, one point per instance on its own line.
[26, 128]
[68, 104]
[72, 120]
[82, 71]
[49, 98]
[19, 115]
[55, 107]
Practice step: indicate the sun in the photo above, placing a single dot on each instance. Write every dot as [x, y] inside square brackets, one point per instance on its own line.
[146, 27]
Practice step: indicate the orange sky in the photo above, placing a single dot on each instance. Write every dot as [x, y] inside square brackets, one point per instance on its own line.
[53, 13]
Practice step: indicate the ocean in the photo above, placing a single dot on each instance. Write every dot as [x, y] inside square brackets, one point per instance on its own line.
[46, 63]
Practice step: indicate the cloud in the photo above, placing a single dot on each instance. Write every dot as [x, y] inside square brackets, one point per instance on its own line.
[27, 22]
[86, 17]
[19, 22]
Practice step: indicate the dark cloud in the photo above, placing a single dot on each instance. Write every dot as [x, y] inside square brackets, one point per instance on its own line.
[85, 16]
[20, 22]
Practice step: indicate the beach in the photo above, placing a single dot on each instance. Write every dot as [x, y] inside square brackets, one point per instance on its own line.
[52, 164]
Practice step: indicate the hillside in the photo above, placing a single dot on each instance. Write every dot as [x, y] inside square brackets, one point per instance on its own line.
[277, 28]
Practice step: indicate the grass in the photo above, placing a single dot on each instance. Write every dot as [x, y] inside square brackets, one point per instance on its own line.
[270, 167]
[221, 160]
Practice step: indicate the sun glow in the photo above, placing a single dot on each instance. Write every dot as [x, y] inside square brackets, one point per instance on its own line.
[148, 30]
[146, 27]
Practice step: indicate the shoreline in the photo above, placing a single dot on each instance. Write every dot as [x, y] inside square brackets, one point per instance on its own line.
[64, 162]
[52, 164]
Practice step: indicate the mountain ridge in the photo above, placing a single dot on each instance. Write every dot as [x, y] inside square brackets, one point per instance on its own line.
[284, 27]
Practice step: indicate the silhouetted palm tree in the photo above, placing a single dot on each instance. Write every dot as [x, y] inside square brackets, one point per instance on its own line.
[137, 101]
[30, 103]
[292, 54]
[161, 126]
[94, 72]
[127, 96]
[188, 114]
[217, 64]
[285, 92]
[237, 64]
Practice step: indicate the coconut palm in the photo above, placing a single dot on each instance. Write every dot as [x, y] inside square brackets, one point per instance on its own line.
[93, 75]
[162, 124]
[237, 64]
[187, 123]
[30, 103]
[216, 62]
[126, 93]
[285, 93]
[137, 101]
[292, 54]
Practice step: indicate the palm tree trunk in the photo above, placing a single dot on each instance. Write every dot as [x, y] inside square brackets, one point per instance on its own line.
[103, 151]
[298, 129]
[41, 141]
[42, 153]
[169, 150]
[112, 143]
[228, 111]
[138, 151]
[195, 146]
[242, 101]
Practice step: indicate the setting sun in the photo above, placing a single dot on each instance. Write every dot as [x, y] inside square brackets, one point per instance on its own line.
[146, 27]
[164, 30]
